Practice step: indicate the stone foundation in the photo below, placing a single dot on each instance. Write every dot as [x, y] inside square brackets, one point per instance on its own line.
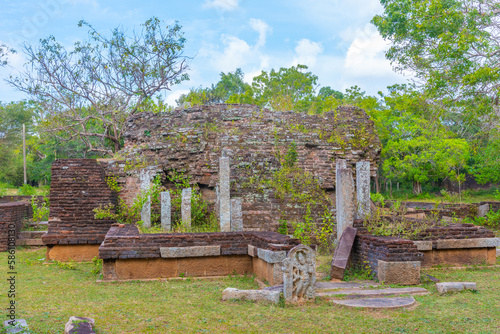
[12, 216]
[129, 255]
[78, 253]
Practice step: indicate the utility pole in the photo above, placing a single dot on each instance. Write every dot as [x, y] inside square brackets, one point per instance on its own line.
[24, 152]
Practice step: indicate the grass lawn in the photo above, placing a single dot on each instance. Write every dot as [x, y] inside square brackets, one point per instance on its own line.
[48, 294]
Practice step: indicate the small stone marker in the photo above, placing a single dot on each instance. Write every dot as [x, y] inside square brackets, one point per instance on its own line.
[363, 189]
[399, 272]
[299, 274]
[146, 209]
[224, 195]
[256, 295]
[446, 287]
[236, 215]
[19, 326]
[79, 325]
[186, 207]
[166, 211]
[346, 210]
[342, 253]
[482, 210]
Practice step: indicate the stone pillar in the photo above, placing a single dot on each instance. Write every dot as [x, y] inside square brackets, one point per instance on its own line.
[224, 195]
[217, 202]
[166, 211]
[236, 215]
[363, 189]
[186, 207]
[346, 209]
[146, 209]
[339, 164]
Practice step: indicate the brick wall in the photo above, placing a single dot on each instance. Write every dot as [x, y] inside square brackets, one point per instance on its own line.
[192, 140]
[126, 242]
[368, 249]
[12, 216]
[78, 186]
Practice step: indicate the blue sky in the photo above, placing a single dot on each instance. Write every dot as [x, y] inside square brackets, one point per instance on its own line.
[333, 37]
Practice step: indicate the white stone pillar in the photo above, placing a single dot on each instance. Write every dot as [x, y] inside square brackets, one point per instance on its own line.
[224, 194]
[166, 211]
[346, 210]
[145, 180]
[363, 189]
[236, 215]
[186, 208]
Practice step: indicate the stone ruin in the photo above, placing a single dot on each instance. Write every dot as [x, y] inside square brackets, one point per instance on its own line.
[299, 274]
[254, 143]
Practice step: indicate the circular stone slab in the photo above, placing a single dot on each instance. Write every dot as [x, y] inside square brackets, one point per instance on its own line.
[377, 303]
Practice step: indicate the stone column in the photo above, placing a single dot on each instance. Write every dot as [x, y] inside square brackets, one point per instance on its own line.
[186, 207]
[236, 215]
[339, 164]
[146, 209]
[346, 210]
[166, 211]
[363, 189]
[224, 194]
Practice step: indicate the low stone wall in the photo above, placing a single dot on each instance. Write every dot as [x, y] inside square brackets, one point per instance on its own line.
[78, 187]
[9, 199]
[454, 244]
[368, 250]
[12, 216]
[127, 254]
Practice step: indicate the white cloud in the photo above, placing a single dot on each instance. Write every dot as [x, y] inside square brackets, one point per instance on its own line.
[307, 52]
[365, 56]
[236, 54]
[262, 28]
[222, 4]
[174, 95]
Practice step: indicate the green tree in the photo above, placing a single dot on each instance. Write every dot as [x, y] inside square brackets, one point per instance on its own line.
[88, 92]
[452, 47]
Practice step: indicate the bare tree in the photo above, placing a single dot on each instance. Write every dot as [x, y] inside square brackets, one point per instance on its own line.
[87, 93]
[4, 51]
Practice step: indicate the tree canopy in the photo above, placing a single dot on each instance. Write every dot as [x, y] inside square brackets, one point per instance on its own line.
[87, 92]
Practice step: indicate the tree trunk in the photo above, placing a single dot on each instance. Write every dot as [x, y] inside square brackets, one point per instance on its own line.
[377, 185]
[417, 188]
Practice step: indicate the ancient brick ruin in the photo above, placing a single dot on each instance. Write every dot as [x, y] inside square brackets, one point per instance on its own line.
[257, 141]
[78, 187]
[12, 216]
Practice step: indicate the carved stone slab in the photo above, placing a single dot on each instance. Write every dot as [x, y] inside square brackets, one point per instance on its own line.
[299, 274]
[342, 253]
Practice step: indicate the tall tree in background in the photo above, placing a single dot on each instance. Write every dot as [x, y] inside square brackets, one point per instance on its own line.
[453, 48]
[88, 92]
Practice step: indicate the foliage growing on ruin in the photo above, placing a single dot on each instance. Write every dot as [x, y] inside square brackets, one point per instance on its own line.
[40, 209]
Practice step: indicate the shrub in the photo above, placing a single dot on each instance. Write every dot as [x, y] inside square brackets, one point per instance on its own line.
[27, 190]
[40, 210]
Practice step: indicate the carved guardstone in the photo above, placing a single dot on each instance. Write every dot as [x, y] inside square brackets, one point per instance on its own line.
[299, 274]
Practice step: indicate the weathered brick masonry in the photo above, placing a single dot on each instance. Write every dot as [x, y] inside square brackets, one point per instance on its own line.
[192, 140]
[368, 249]
[126, 242]
[12, 213]
[78, 186]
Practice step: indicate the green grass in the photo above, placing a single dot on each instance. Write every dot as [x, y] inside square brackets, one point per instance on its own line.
[49, 294]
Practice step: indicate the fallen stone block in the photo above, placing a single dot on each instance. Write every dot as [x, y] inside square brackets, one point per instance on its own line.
[403, 272]
[19, 326]
[342, 253]
[79, 325]
[271, 256]
[446, 287]
[272, 296]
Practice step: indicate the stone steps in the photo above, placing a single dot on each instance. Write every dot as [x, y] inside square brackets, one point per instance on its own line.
[360, 293]
[30, 238]
[325, 286]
